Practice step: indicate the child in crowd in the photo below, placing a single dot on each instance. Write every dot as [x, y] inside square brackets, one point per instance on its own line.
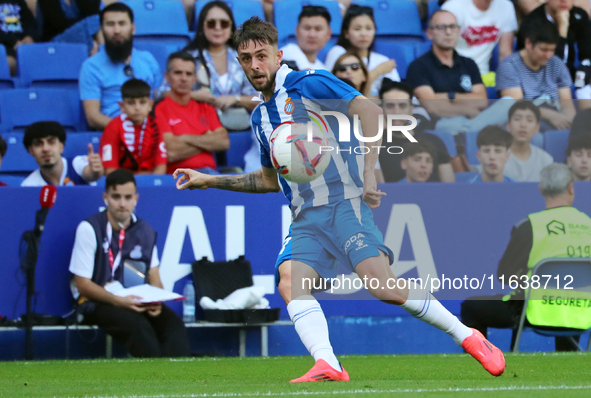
[493, 152]
[578, 157]
[131, 141]
[525, 160]
[417, 161]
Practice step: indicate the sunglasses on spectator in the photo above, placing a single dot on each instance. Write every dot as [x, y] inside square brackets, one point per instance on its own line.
[212, 23]
[443, 28]
[128, 70]
[343, 67]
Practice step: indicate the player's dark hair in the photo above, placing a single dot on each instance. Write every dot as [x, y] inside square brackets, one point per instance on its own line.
[576, 143]
[523, 105]
[494, 135]
[315, 11]
[257, 30]
[3, 147]
[40, 130]
[116, 7]
[200, 42]
[135, 88]
[413, 148]
[183, 55]
[354, 10]
[539, 31]
[390, 85]
[119, 177]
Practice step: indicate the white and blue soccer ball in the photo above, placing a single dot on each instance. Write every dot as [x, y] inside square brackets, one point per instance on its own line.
[296, 157]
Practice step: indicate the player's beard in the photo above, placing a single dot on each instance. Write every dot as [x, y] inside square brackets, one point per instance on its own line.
[267, 87]
[118, 52]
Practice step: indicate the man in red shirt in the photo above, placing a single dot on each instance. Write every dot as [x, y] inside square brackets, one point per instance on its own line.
[131, 141]
[191, 129]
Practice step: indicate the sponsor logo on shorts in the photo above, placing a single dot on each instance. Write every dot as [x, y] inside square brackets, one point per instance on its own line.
[357, 241]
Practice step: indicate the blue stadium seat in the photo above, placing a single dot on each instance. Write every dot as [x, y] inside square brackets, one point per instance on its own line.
[465, 177]
[5, 79]
[432, 6]
[491, 93]
[555, 143]
[286, 12]
[51, 64]
[396, 20]
[17, 158]
[77, 143]
[21, 107]
[12, 181]
[242, 10]
[159, 180]
[240, 143]
[448, 139]
[162, 21]
[471, 148]
[402, 53]
[422, 48]
[157, 49]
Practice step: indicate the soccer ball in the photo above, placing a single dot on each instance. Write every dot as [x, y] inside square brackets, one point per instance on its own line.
[297, 159]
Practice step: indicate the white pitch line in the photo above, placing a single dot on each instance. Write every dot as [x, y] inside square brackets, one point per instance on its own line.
[366, 391]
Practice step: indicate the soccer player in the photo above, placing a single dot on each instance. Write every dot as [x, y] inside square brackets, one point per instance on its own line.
[330, 212]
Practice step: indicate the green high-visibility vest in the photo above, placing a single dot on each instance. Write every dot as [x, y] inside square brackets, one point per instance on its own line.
[559, 232]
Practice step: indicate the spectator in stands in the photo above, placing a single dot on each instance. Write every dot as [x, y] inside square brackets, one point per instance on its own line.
[103, 74]
[448, 85]
[55, 16]
[191, 129]
[397, 100]
[146, 330]
[525, 160]
[222, 82]
[357, 35]
[131, 141]
[351, 67]
[535, 73]
[581, 124]
[578, 157]
[312, 34]
[45, 142]
[493, 152]
[17, 26]
[2, 153]
[418, 162]
[573, 28]
[529, 244]
[483, 24]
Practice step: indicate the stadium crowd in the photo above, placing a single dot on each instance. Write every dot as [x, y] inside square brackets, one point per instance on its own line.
[501, 90]
[163, 104]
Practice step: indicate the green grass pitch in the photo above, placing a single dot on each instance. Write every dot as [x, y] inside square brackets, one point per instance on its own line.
[458, 375]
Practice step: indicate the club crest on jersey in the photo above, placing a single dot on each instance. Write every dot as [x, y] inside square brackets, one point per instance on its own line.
[289, 106]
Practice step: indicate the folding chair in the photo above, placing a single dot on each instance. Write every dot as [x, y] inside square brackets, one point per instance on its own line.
[5, 79]
[17, 159]
[564, 283]
[556, 143]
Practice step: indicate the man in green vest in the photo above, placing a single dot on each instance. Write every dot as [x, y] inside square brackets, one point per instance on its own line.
[559, 231]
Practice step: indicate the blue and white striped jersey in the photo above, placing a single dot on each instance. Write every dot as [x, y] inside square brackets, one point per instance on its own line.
[296, 95]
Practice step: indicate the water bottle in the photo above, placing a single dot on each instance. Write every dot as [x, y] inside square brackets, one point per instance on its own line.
[189, 303]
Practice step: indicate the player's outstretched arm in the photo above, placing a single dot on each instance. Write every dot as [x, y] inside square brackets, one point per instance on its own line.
[260, 181]
[369, 114]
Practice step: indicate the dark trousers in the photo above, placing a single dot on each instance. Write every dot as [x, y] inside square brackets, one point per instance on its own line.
[144, 336]
[483, 312]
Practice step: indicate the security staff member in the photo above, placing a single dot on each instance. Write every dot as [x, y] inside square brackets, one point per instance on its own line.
[104, 243]
[549, 233]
